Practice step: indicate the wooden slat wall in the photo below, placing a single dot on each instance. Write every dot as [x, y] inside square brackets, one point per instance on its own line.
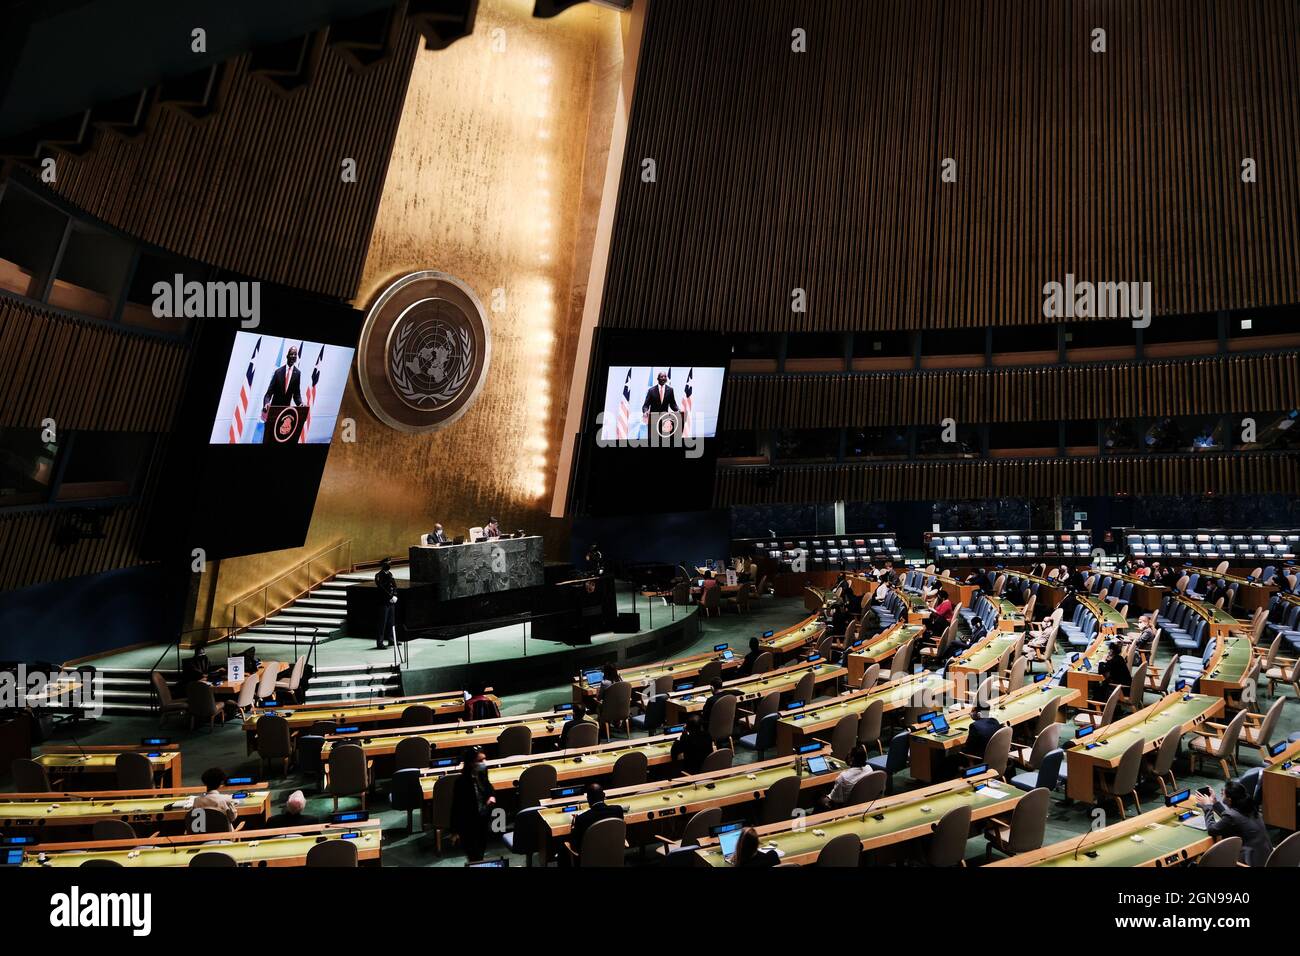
[821, 170]
[84, 374]
[912, 481]
[29, 553]
[1247, 383]
[257, 187]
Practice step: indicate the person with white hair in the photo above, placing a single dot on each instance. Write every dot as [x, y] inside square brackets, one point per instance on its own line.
[292, 815]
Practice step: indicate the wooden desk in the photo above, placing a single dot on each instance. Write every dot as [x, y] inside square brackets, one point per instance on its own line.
[1146, 596]
[451, 738]
[1225, 672]
[1165, 841]
[968, 669]
[884, 822]
[365, 713]
[880, 649]
[928, 749]
[1110, 622]
[60, 815]
[1219, 623]
[681, 668]
[958, 592]
[782, 644]
[1281, 786]
[1171, 714]
[923, 691]
[784, 680]
[1050, 593]
[666, 800]
[571, 766]
[73, 766]
[1084, 671]
[280, 847]
[917, 610]
[1011, 616]
[1251, 595]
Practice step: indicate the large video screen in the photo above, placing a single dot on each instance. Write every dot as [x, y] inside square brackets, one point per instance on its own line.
[280, 391]
[633, 394]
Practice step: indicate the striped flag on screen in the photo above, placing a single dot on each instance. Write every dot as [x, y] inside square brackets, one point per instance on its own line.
[625, 405]
[241, 404]
[311, 394]
[688, 421]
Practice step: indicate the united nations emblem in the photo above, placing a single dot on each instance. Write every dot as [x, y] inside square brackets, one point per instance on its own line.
[424, 352]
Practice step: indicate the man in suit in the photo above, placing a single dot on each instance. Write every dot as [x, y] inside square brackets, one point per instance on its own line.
[598, 810]
[658, 399]
[285, 387]
[492, 530]
[981, 731]
[1234, 814]
[436, 536]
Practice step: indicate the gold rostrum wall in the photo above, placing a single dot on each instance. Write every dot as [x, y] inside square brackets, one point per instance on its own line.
[496, 178]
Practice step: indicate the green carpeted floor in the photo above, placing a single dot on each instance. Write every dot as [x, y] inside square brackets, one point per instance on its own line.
[224, 747]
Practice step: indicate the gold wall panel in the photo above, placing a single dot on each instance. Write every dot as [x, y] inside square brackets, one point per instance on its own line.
[495, 178]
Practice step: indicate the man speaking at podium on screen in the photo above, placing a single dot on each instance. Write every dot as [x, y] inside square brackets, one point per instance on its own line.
[659, 399]
[284, 388]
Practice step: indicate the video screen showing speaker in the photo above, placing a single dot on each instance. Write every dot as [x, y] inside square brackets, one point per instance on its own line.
[644, 402]
[280, 391]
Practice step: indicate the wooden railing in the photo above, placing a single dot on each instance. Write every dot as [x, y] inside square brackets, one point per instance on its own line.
[257, 605]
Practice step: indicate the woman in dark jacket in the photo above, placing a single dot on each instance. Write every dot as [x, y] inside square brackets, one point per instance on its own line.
[472, 805]
[1235, 814]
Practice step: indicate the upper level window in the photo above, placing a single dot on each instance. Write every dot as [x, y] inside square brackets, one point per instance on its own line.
[26, 466]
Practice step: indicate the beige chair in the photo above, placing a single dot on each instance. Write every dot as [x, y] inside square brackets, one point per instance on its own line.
[630, 770]
[1219, 743]
[412, 753]
[1026, 828]
[444, 794]
[209, 820]
[1031, 757]
[274, 742]
[1137, 689]
[871, 724]
[267, 682]
[536, 783]
[349, 774]
[1258, 731]
[767, 704]
[898, 667]
[718, 760]
[1161, 765]
[844, 736]
[202, 702]
[843, 851]
[247, 697]
[1016, 675]
[1283, 672]
[870, 677]
[517, 739]
[212, 858]
[947, 845]
[112, 830]
[1159, 686]
[134, 771]
[584, 733]
[335, 853]
[1047, 716]
[1225, 852]
[1286, 853]
[1095, 715]
[167, 704]
[697, 828]
[604, 844]
[417, 715]
[996, 754]
[722, 718]
[710, 671]
[29, 776]
[939, 651]
[290, 684]
[779, 801]
[1123, 780]
[763, 663]
[869, 787]
[806, 689]
[616, 709]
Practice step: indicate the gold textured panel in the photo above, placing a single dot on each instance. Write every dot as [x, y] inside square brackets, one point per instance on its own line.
[491, 180]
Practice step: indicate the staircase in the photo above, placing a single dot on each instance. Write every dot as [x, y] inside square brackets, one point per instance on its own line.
[126, 690]
[321, 613]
